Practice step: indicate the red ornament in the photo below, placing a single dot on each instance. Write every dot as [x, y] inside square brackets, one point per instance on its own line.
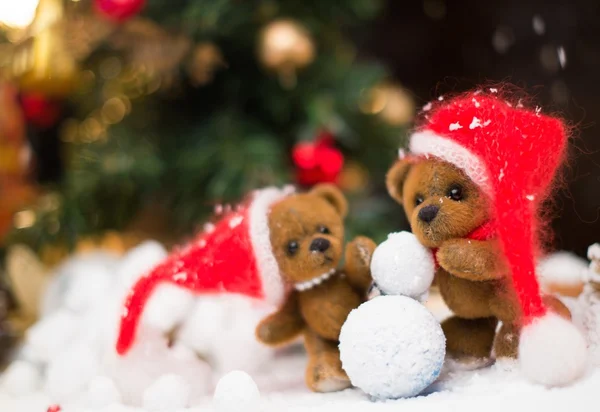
[119, 10]
[54, 408]
[40, 111]
[317, 162]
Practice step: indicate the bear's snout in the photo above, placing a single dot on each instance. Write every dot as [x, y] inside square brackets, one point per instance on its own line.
[319, 245]
[428, 213]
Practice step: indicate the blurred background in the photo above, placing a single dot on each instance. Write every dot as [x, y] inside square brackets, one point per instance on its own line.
[122, 120]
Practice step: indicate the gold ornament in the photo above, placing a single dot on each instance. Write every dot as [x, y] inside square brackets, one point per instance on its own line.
[391, 102]
[286, 46]
[354, 177]
[43, 62]
[206, 59]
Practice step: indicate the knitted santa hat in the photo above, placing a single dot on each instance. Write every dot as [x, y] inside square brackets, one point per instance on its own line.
[512, 154]
[234, 255]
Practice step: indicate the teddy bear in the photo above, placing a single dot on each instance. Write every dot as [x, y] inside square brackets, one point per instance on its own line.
[307, 232]
[472, 187]
[283, 248]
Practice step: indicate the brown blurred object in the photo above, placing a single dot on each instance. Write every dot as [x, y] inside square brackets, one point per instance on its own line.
[285, 46]
[391, 102]
[16, 190]
[28, 278]
[206, 59]
[354, 177]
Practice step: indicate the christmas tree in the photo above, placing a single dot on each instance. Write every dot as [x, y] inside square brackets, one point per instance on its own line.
[181, 105]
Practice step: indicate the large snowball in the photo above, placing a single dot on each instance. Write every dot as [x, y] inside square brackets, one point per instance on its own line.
[392, 347]
[235, 392]
[401, 265]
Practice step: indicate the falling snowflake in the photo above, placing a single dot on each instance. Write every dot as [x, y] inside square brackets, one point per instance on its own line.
[493, 90]
[441, 98]
[562, 56]
[427, 107]
[454, 126]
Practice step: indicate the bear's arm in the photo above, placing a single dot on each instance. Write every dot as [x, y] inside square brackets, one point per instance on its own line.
[283, 325]
[357, 263]
[476, 260]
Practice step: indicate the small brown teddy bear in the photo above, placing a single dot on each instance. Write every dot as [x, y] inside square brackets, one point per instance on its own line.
[308, 232]
[283, 248]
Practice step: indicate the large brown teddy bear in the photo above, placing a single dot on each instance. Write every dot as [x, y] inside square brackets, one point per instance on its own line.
[307, 232]
[444, 206]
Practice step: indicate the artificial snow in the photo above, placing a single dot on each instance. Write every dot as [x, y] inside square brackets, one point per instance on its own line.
[235, 392]
[401, 265]
[167, 393]
[119, 383]
[392, 347]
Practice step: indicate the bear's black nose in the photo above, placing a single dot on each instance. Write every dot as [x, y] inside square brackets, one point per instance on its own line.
[428, 213]
[319, 245]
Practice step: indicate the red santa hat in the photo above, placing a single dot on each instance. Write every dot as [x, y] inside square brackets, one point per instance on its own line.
[513, 155]
[233, 255]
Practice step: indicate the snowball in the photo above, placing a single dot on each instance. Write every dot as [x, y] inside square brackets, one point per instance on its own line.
[102, 392]
[87, 288]
[552, 351]
[21, 378]
[218, 326]
[401, 265]
[167, 393]
[563, 268]
[392, 347]
[235, 392]
[167, 307]
[138, 261]
[50, 335]
[70, 372]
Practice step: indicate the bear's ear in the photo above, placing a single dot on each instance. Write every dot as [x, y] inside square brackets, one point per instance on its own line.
[395, 179]
[333, 195]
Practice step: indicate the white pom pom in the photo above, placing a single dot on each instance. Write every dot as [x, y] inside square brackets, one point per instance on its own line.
[87, 288]
[21, 378]
[552, 351]
[401, 265]
[167, 307]
[235, 392]
[392, 347]
[102, 392]
[70, 372]
[50, 335]
[138, 261]
[169, 392]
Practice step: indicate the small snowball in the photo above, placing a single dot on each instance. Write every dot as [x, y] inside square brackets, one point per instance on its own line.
[236, 392]
[392, 347]
[51, 334]
[401, 265]
[87, 288]
[102, 392]
[167, 307]
[21, 378]
[169, 392]
[70, 373]
[562, 268]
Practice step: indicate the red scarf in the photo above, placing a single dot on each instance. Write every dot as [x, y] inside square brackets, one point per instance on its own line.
[486, 231]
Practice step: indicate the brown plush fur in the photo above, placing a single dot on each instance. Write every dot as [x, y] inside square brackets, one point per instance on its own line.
[473, 276]
[319, 312]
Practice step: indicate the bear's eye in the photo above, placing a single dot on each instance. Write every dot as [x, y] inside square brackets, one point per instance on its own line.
[455, 192]
[419, 199]
[292, 247]
[323, 229]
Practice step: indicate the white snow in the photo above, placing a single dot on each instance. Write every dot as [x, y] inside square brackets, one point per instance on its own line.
[25, 386]
[454, 126]
[235, 392]
[401, 265]
[562, 268]
[169, 392]
[392, 347]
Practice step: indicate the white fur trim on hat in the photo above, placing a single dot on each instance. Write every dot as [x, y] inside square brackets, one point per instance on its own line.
[429, 143]
[268, 268]
[552, 351]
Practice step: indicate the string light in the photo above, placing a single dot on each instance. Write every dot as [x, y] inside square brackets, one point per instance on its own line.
[17, 14]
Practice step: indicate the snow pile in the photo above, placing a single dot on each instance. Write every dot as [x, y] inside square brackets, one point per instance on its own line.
[69, 353]
[235, 392]
[561, 270]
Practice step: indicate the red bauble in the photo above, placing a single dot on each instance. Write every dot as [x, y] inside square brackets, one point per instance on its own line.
[40, 111]
[318, 161]
[119, 10]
